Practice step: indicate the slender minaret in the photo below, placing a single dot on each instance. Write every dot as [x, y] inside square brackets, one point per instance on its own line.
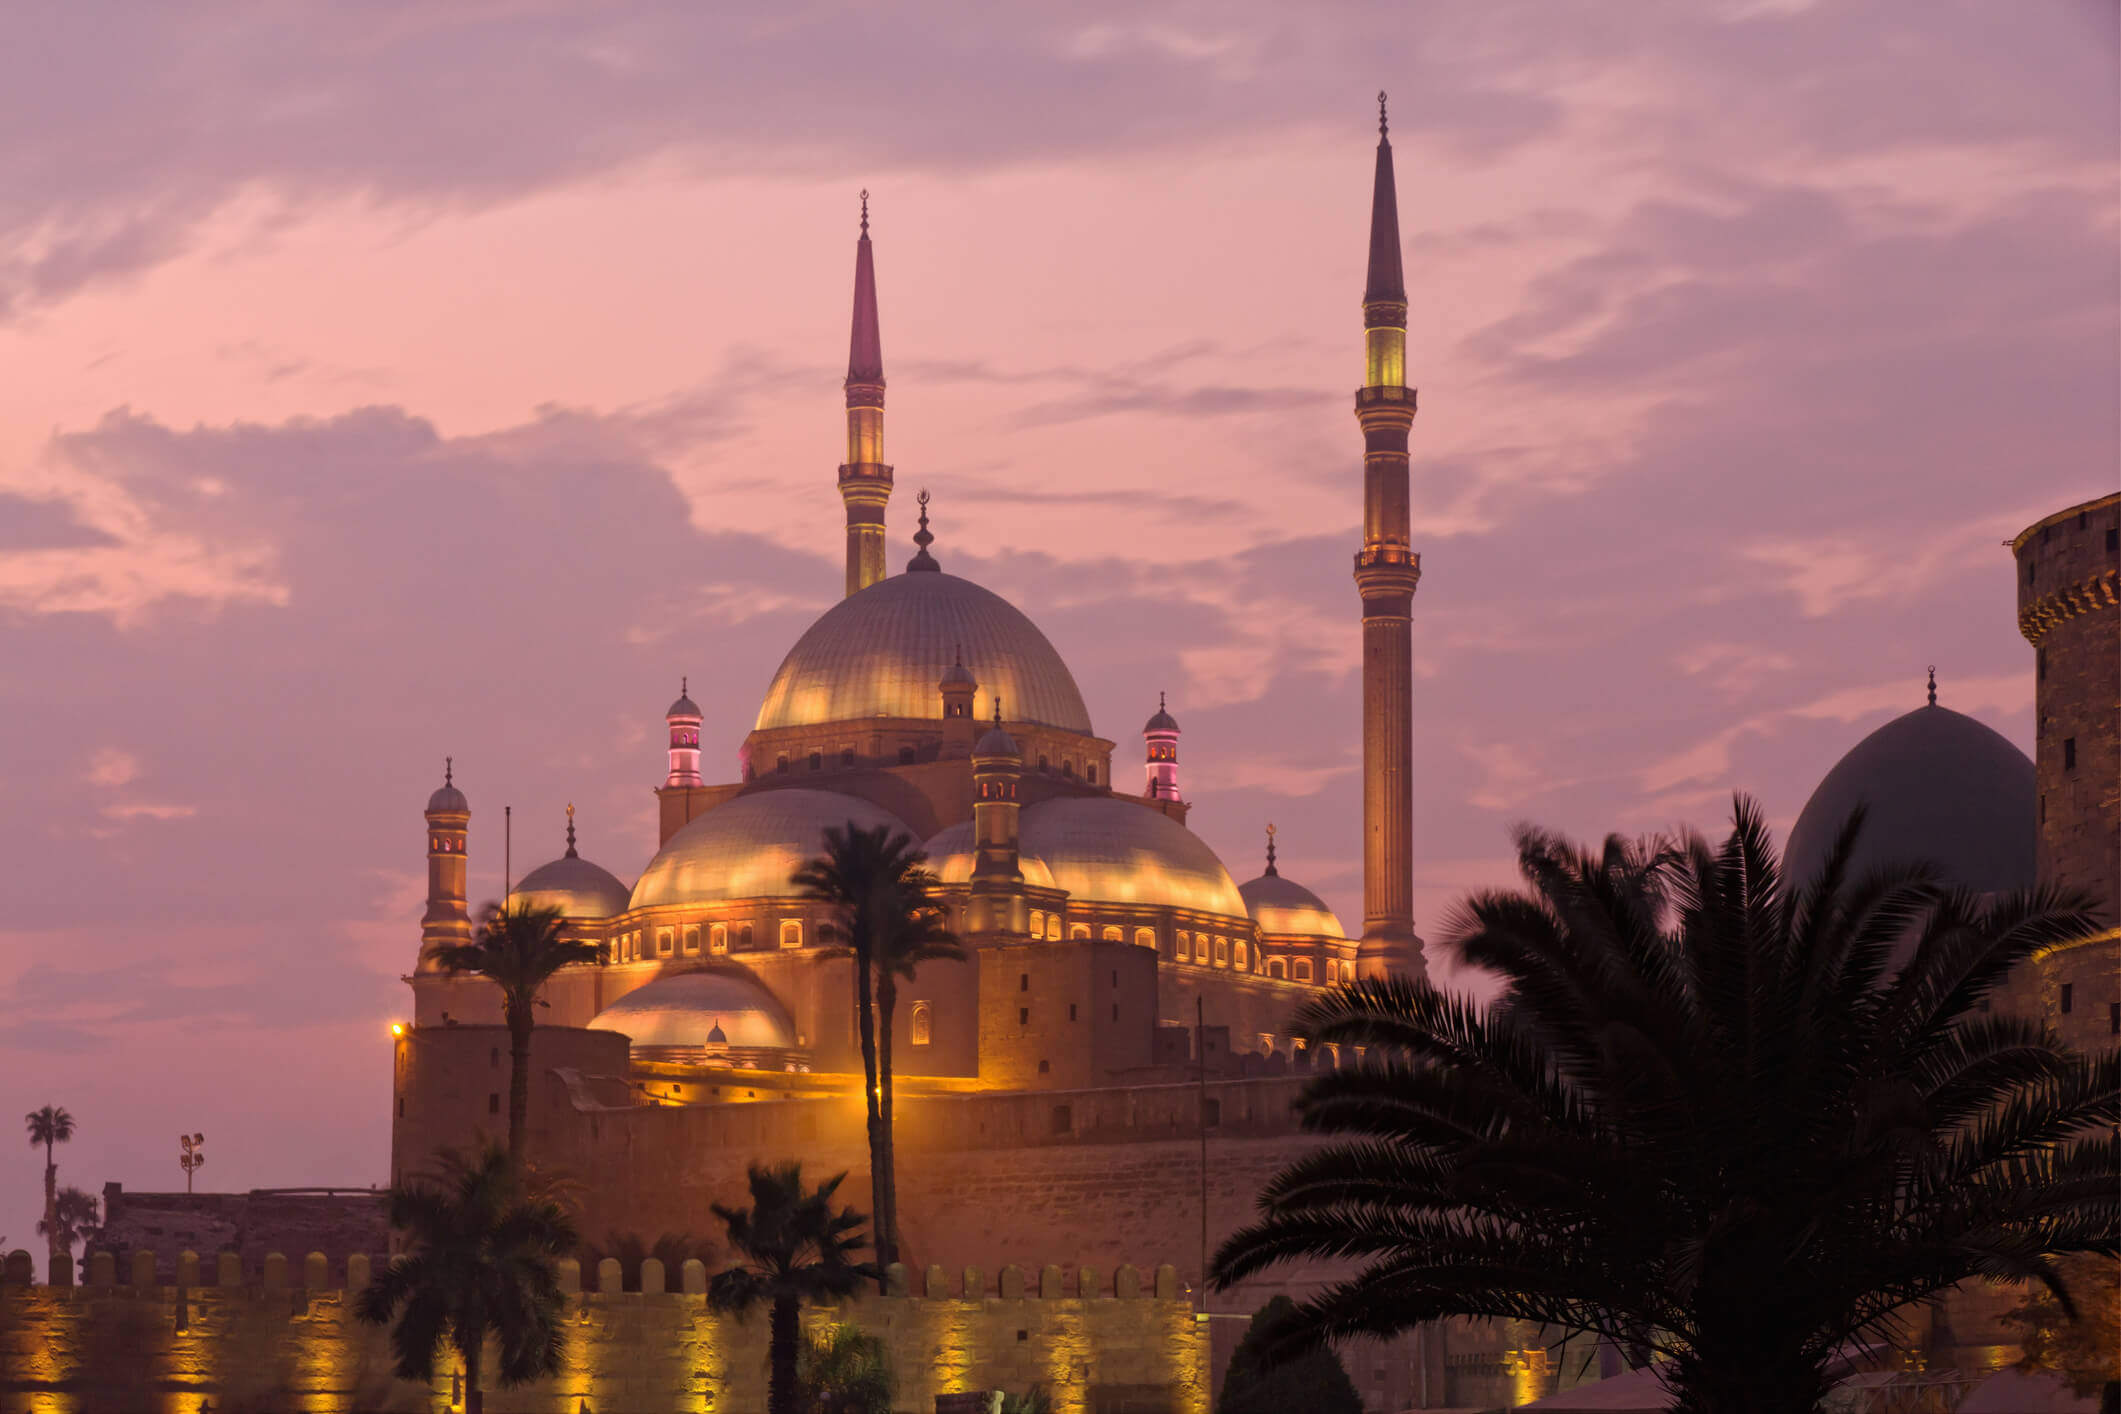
[996, 904]
[683, 719]
[1160, 740]
[865, 482]
[447, 921]
[1386, 571]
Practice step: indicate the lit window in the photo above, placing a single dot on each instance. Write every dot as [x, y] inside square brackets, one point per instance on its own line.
[1266, 1043]
[1239, 954]
[1200, 947]
[1276, 967]
[662, 942]
[1038, 923]
[1113, 933]
[1222, 952]
[922, 1026]
[1079, 930]
[692, 937]
[791, 932]
[718, 938]
[1053, 927]
[1303, 969]
[1145, 937]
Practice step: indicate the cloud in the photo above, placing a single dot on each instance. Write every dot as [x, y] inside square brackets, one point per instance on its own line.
[112, 767]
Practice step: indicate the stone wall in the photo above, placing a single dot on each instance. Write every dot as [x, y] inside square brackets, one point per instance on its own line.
[283, 1337]
[250, 1224]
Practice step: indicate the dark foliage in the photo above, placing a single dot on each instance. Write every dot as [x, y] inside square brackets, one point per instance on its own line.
[1311, 1379]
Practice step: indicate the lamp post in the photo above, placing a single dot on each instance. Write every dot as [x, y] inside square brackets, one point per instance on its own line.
[190, 1157]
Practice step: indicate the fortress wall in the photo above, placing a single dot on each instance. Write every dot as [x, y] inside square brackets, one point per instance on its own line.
[250, 1224]
[260, 1347]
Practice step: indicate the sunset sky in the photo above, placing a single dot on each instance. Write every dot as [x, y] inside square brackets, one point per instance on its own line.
[380, 381]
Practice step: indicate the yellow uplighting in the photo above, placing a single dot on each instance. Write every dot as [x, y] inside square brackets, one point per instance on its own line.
[397, 1028]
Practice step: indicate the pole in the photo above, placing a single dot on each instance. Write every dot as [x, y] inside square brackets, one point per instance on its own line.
[1200, 1051]
[508, 841]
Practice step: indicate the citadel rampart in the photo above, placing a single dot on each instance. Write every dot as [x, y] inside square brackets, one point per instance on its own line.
[283, 1336]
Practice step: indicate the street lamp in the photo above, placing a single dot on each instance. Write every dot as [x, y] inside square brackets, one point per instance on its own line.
[190, 1158]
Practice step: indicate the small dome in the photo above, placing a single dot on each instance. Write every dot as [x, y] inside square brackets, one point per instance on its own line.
[747, 847]
[1281, 905]
[574, 886]
[448, 800]
[996, 742]
[880, 653]
[684, 706]
[1163, 721]
[951, 856]
[721, 1005]
[1108, 849]
[958, 675]
[1940, 787]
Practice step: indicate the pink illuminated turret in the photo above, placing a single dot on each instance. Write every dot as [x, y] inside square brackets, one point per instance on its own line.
[684, 719]
[1161, 739]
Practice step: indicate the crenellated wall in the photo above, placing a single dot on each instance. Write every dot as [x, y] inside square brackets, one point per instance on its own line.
[284, 1337]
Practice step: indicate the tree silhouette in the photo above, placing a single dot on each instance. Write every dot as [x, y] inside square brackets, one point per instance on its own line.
[1710, 1117]
[48, 1126]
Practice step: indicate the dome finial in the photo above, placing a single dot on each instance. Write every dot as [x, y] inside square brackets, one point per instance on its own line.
[1933, 684]
[923, 560]
[1272, 872]
[449, 769]
[684, 685]
[865, 211]
[1381, 113]
[570, 830]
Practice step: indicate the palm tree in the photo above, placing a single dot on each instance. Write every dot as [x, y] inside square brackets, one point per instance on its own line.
[792, 1247]
[75, 1215]
[481, 1261]
[517, 950]
[881, 895]
[49, 1126]
[845, 1372]
[1709, 1118]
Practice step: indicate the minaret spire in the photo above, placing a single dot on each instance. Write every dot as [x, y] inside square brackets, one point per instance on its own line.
[865, 481]
[1386, 572]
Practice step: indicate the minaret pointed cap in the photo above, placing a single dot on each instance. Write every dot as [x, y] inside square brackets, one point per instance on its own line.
[570, 830]
[1272, 872]
[865, 354]
[1385, 280]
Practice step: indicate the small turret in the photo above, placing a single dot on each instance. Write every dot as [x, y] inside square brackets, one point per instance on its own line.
[1160, 737]
[997, 894]
[958, 688]
[684, 720]
[447, 921]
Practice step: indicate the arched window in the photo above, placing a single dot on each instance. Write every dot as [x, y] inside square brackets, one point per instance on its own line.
[1113, 933]
[1200, 947]
[780, 763]
[662, 942]
[1237, 957]
[905, 756]
[817, 760]
[1079, 931]
[1145, 937]
[1038, 923]
[1276, 967]
[743, 937]
[1067, 767]
[692, 937]
[791, 932]
[1222, 952]
[718, 938]
[1042, 762]
[921, 1029]
[1053, 927]
[1090, 772]
[1303, 969]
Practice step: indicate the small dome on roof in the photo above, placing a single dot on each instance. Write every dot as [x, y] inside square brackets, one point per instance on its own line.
[747, 846]
[996, 742]
[574, 886]
[958, 675]
[1163, 721]
[684, 706]
[719, 1005]
[951, 856]
[1108, 849]
[1940, 787]
[1281, 905]
[447, 799]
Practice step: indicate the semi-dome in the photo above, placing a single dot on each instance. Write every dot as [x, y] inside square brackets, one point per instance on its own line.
[1940, 787]
[748, 846]
[574, 886]
[951, 857]
[686, 1009]
[1281, 905]
[1110, 850]
[882, 652]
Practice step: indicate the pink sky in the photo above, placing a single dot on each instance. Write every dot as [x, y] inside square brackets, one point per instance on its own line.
[391, 380]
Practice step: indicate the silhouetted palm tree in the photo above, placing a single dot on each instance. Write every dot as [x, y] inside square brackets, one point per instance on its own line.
[75, 1216]
[49, 1126]
[481, 1259]
[883, 902]
[518, 949]
[792, 1247]
[1708, 1117]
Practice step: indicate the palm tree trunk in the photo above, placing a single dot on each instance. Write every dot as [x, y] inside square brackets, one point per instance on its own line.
[474, 1397]
[781, 1392]
[887, 1204]
[51, 1209]
[519, 1023]
[865, 1017]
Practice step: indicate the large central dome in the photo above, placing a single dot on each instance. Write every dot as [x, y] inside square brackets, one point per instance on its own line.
[880, 653]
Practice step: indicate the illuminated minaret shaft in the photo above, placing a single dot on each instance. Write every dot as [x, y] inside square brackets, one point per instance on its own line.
[865, 481]
[1386, 571]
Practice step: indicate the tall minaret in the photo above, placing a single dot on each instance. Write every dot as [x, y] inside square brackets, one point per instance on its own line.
[865, 482]
[1386, 571]
[447, 921]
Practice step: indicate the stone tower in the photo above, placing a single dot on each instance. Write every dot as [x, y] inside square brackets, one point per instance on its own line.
[447, 921]
[996, 906]
[1160, 750]
[958, 688]
[683, 719]
[2069, 608]
[1386, 571]
[865, 482]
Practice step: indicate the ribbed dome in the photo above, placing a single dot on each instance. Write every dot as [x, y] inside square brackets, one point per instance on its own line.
[951, 856]
[574, 886]
[1941, 787]
[883, 651]
[1281, 905]
[687, 1008]
[1111, 850]
[747, 847]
